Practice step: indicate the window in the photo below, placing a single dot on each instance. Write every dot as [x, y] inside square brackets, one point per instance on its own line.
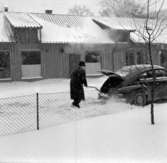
[31, 57]
[140, 59]
[163, 58]
[130, 59]
[92, 57]
[4, 64]
[31, 64]
[135, 57]
[93, 64]
[160, 73]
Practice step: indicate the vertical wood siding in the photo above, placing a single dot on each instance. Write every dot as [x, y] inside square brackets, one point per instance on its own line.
[113, 56]
[15, 63]
[56, 62]
[26, 35]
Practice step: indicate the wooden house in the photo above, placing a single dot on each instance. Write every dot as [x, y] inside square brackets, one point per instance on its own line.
[46, 45]
[136, 52]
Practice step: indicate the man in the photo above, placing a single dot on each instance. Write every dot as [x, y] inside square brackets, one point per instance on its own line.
[78, 79]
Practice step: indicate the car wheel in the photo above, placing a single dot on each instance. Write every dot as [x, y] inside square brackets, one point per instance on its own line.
[140, 99]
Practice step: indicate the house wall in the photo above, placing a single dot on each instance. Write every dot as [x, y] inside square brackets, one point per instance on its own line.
[56, 57]
[103, 50]
[26, 35]
[113, 56]
[54, 60]
[142, 48]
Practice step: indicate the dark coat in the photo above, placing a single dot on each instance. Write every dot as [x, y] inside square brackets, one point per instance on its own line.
[78, 78]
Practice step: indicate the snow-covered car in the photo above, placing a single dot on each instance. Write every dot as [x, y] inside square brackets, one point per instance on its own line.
[134, 83]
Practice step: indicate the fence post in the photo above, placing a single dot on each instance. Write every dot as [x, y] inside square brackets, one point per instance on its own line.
[37, 105]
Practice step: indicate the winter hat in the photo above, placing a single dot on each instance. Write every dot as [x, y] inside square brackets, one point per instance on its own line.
[81, 63]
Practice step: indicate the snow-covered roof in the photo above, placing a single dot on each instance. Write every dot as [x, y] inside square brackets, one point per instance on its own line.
[116, 23]
[62, 20]
[21, 20]
[136, 27]
[4, 32]
[157, 28]
[73, 29]
[69, 29]
[159, 39]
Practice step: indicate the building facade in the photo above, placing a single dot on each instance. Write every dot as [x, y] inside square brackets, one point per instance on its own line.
[40, 46]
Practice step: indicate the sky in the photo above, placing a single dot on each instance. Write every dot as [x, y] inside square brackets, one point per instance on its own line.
[58, 6]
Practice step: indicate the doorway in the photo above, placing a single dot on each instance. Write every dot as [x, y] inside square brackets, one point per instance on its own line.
[31, 64]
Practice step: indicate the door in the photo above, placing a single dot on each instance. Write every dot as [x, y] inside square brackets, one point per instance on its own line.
[74, 60]
[93, 64]
[31, 64]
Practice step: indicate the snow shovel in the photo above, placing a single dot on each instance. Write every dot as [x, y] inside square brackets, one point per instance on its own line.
[101, 95]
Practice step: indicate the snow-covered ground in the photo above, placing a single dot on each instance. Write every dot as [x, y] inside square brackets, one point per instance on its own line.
[98, 132]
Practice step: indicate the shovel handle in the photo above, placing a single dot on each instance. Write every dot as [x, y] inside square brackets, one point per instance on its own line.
[100, 93]
[94, 88]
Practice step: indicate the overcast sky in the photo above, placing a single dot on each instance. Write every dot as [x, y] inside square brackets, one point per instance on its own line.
[58, 6]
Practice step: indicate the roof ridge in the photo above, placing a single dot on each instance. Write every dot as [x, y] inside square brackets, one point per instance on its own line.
[62, 14]
[21, 12]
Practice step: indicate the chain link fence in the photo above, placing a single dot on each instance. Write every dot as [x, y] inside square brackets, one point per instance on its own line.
[43, 110]
[32, 112]
[17, 114]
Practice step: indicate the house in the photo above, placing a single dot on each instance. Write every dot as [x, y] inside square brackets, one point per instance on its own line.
[136, 52]
[34, 46]
[46, 45]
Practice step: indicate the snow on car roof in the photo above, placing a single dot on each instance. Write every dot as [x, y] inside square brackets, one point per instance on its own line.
[130, 73]
[135, 69]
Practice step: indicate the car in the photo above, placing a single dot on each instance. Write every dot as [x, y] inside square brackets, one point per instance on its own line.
[134, 83]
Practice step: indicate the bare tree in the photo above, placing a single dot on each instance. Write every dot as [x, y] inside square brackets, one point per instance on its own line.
[121, 8]
[80, 10]
[149, 31]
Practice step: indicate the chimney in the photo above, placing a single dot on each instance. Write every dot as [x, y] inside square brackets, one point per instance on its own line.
[48, 11]
[6, 9]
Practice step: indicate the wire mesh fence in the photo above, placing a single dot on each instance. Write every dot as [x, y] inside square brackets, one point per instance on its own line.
[43, 110]
[17, 114]
[32, 112]
[53, 108]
